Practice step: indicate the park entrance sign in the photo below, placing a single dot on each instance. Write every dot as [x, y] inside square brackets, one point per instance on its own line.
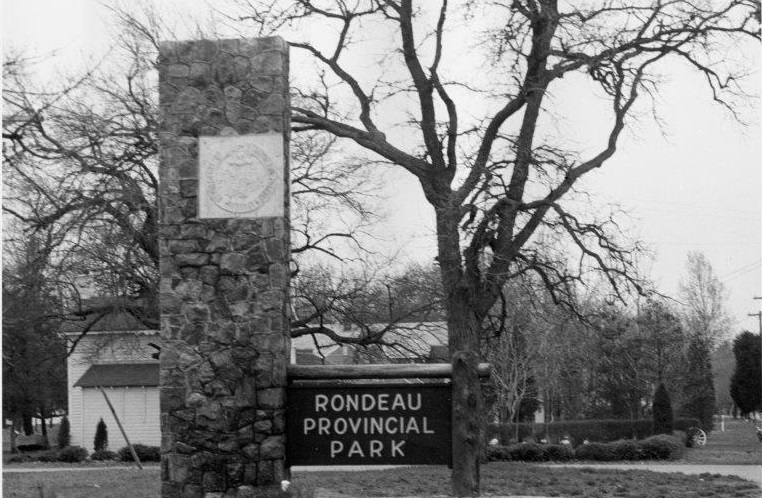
[369, 424]
[230, 402]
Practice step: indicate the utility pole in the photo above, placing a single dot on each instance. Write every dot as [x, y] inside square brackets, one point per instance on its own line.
[759, 316]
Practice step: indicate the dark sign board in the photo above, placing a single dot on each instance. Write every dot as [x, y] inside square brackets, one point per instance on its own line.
[362, 424]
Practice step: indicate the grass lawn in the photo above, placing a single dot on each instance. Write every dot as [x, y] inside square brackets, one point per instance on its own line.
[738, 444]
[497, 478]
[84, 484]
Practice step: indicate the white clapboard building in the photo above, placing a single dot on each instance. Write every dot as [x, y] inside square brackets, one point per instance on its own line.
[113, 356]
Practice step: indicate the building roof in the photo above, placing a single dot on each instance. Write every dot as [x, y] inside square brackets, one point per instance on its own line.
[95, 322]
[104, 314]
[120, 375]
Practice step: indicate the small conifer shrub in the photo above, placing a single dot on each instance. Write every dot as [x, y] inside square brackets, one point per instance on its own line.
[100, 442]
[64, 433]
[662, 410]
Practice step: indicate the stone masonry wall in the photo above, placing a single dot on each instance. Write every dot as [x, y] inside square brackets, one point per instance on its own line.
[224, 282]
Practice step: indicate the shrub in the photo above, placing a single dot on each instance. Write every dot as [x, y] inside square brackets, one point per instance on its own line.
[100, 442]
[20, 458]
[145, 453]
[524, 452]
[662, 407]
[601, 452]
[594, 430]
[558, 452]
[48, 456]
[45, 456]
[661, 447]
[498, 454]
[64, 433]
[72, 454]
[103, 455]
[527, 452]
[626, 449]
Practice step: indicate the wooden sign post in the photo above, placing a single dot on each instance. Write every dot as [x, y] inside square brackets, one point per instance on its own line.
[333, 420]
[369, 424]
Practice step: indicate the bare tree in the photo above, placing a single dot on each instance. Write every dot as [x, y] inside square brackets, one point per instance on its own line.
[34, 366]
[80, 162]
[496, 181]
[704, 299]
[382, 315]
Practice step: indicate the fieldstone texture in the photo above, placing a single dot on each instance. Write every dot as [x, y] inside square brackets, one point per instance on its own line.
[224, 282]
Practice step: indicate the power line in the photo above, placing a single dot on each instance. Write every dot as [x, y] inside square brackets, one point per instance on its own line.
[741, 270]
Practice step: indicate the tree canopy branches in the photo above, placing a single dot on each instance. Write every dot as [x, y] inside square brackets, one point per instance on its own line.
[80, 165]
[480, 180]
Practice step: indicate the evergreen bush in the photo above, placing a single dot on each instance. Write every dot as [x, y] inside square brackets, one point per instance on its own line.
[100, 442]
[498, 454]
[662, 411]
[578, 431]
[627, 449]
[48, 456]
[20, 458]
[662, 447]
[64, 433]
[527, 452]
[600, 452]
[699, 386]
[103, 455]
[145, 453]
[72, 454]
[558, 452]
[683, 423]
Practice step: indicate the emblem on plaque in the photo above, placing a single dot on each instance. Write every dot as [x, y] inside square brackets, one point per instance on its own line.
[241, 176]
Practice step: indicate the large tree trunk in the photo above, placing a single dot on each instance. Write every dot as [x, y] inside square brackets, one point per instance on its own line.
[464, 336]
[28, 424]
[13, 434]
[466, 424]
[44, 427]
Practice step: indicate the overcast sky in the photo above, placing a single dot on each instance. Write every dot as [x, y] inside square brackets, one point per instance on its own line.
[697, 188]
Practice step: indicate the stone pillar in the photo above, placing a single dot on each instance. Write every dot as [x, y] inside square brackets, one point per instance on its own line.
[224, 242]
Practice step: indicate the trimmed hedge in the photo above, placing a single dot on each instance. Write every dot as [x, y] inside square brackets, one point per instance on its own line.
[527, 452]
[558, 452]
[661, 447]
[145, 453]
[578, 431]
[598, 452]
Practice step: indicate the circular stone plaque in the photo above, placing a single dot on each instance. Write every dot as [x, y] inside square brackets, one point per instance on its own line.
[240, 178]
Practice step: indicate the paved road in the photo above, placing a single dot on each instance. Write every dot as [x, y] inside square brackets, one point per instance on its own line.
[749, 472]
